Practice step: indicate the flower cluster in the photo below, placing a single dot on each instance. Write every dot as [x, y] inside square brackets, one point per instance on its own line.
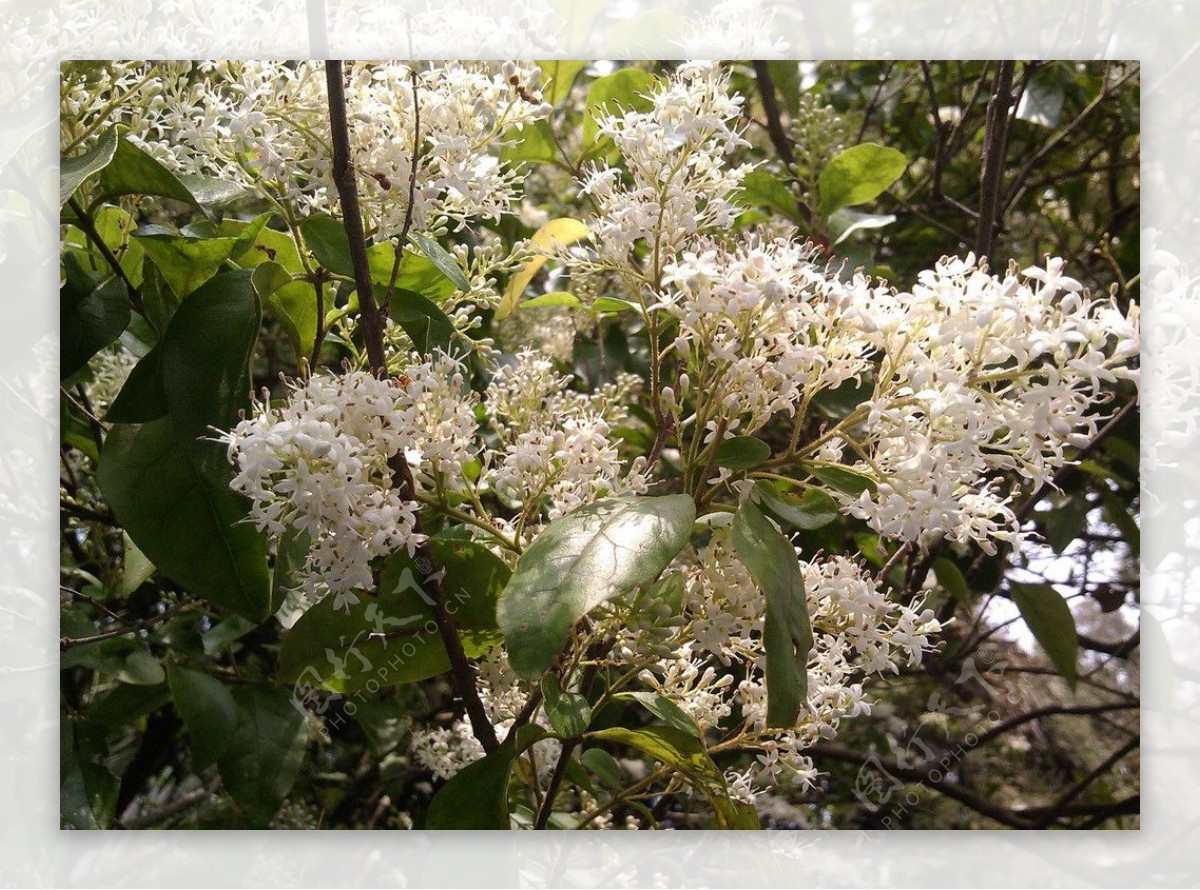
[715, 666]
[674, 157]
[266, 125]
[983, 378]
[319, 464]
[556, 447]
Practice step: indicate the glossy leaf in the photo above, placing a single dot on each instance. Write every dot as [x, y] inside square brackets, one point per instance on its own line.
[557, 77]
[476, 797]
[554, 298]
[664, 709]
[142, 397]
[685, 753]
[845, 222]
[189, 526]
[441, 258]
[568, 712]
[532, 142]
[186, 263]
[763, 189]
[1050, 621]
[787, 634]
[579, 561]
[262, 759]
[741, 453]
[73, 171]
[426, 324]
[134, 172]
[950, 577]
[844, 479]
[812, 510]
[856, 175]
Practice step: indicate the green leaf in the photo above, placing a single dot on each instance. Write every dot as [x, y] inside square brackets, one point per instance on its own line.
[417, 272]
[426, 324]
[1050, 621]
[685, 753]
[441, 258]
[568, 712]
[87, 791]
[787, 635]
[557, 77]
[814, 509]
[134, 172]
[762, 189]
[91, 318]
[293, 303]
[844, 479]
[142, 397]
[554, 298]
[186, 263]
[532, 142]
[664, 709]
[207, 709]
[265, 751]
[612, 306]
[212, 193]
[393, 637]
[206, 354]
[952, 580]
[476, 797]
[603, 765]
[741, 453]
[856, 175]
[625, 89]
[222, 637]
[136, 571]
[579, 561]
[74, 170]
[326, 239]
[189, 526]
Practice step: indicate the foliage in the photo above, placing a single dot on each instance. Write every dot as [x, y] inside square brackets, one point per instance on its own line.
[625, 434]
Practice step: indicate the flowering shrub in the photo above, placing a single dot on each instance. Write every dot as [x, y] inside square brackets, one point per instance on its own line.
[685, 544]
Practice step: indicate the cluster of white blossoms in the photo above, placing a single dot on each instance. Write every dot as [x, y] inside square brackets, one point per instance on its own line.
[716, 666]
[675, 181]
[556, 448]
[762, 329]
[266, 125]
[319, 464]
[984, 383]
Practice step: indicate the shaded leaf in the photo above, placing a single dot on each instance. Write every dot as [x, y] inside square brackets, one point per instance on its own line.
[844, 479]
[207, 709]
[787, 635]
[134, 172]
[91, 318]
[476, 797]
[441, 258]
[1050, 621]
[568, 712]
[189, 526]
[264, 754]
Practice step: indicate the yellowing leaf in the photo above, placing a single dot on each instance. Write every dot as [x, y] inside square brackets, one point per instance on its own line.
[556, 233]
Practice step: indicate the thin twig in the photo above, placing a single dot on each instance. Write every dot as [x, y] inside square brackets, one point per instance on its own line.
[779, 137]
[84, 223]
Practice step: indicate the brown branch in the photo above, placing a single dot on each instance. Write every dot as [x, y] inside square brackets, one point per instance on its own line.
[995, 140]
[779, 137]
[68, 642]
[560, 770]
[402, 241]
[1051, 711]
[1109, 762]
[372, 322]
